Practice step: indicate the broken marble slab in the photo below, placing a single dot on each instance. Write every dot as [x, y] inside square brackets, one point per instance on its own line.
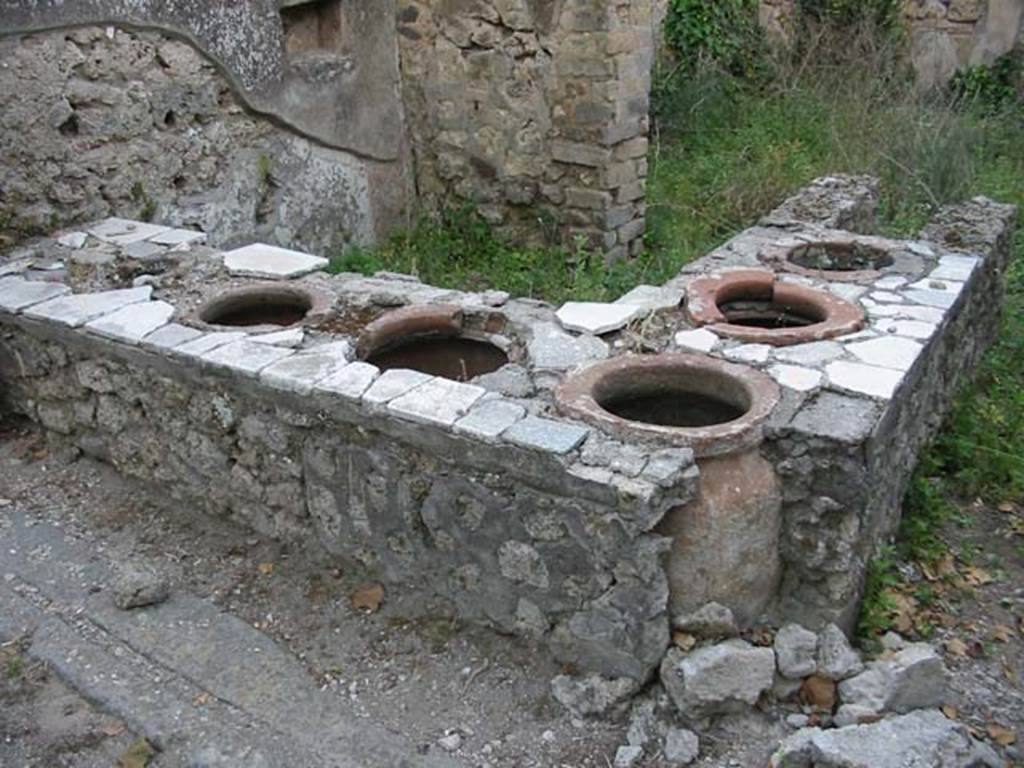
[78, 309]
[125, 231]
[132, 323]
[17, 294]
[597, 318]
[270, 261]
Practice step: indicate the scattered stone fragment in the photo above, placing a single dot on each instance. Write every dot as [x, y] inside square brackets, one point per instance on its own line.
[854, 714]
[700, 340]
[926, 739]
[711, 622]
[682, 746]
[797, 720]
[643, 727]
[914, 678]
[73, 239]
[652, 298]
[138, 586]
[795, 649]
[124, 231]
[728, 677]
[511, 379]
[628, 756]
[450, 742]
[592, 696]
[836, 659]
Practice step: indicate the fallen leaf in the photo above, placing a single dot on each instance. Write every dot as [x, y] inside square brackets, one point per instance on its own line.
[265, 568]
[138, 755]
[202, 699]
[368, 597]
[1002, 633]
[684, 641]
[819, 692]
[956, 647]
[976, 577]
[112, 729]
[1007, 507]
[945, 565]
[1001, 735]
[951, 712]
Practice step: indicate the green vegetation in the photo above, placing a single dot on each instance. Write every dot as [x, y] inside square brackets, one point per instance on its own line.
[723, 32]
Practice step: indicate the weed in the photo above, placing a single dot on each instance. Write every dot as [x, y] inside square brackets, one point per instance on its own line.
[878, 606]
[15, 667]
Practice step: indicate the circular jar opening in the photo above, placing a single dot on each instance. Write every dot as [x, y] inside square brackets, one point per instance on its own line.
[452, 357]
[751, 305]
[707, 404]
[248, 307]
[839, 257]
[429, 339]
[769, 314]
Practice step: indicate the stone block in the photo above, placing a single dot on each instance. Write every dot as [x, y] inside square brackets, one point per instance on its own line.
[580, 153]
[717, 679]
[197, 347]
[588, 199]
[132, 323]
[545, 435]
[699, 340]
[78, 309]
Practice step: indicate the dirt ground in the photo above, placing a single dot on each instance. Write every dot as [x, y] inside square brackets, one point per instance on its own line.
[430, 677]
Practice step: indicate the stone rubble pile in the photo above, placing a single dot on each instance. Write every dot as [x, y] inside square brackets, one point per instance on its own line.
[846, 713]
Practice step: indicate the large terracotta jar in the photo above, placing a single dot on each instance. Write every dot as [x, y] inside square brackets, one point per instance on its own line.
[725, 542]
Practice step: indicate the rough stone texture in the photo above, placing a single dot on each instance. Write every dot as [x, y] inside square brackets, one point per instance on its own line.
[836, 659]
[722, 678]
[795, 650]
[592, 695]
[914, 678]
[711, 621]
[918, 740]
[137, 586]
[682, 747]
[141, 125]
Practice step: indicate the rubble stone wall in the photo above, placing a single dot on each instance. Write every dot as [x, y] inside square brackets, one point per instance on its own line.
[536, 112]
[99, 121]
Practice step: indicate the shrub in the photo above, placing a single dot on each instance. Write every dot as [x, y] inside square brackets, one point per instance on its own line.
[725, 32]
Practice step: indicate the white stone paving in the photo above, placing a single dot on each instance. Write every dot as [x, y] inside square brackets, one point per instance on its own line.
[438, 401]
[885, 297]
[956, 268]
[847, 291]
[811, 353]
[78, 309]
[125, 231]
[244, 357]
[489, 418]
[700, 340]
[261, 260]
[349, 382]
[293, 337]
[890, 282]
[749, 353]
[208, 341]
[597, 318]
[887, 352]
[132, 323]
[392, 384]
[939, 299]
[17, 294]
[170, 336]
[863, 379]
[302, 371]
[913, 329]
[796, 377]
